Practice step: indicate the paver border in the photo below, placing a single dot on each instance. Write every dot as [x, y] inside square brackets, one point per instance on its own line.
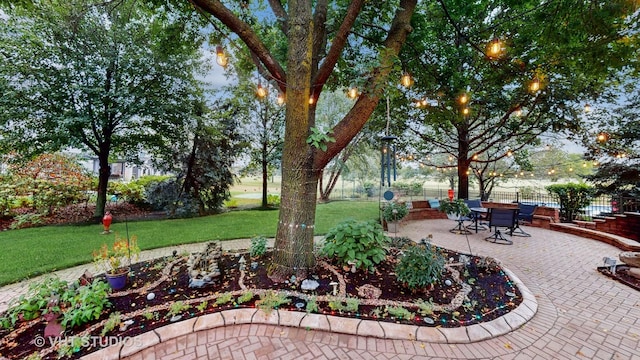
[371, 328]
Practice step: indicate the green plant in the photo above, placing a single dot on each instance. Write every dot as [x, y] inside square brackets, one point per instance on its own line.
[258, 246]
[26, 220]
[361, 241]
[425, 307]
[456, 207]
[35, 302]
[113, 260]
[177, 308]
[419, 266]
[394, 211]
[73, 345]
[273, 200]
[34, 356]
[231, 203]
[245, 297]
[572, 197]
[399, 312]
[352, 304]
[270, 300]
[114, 320]
[85, 303]
[224, 298]
[312, 305]
[148, 315]
[202, 306]
[319, 139]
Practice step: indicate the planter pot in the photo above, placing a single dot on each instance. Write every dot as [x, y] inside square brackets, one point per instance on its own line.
[118, 281]
[393, 226]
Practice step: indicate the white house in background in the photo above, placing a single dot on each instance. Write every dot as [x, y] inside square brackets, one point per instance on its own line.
[120, 169]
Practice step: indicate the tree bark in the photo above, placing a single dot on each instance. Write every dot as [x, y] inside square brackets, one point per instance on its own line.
[103, 180]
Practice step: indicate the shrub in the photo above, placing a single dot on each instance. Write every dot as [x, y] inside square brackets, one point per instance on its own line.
[572, 197]
[409, 188]
[258, 246]
[419, 266]
[361, 241]
[273, 200]
[85, 303]
[394, 211]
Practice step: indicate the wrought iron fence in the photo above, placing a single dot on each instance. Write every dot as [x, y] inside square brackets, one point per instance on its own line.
[601, 206]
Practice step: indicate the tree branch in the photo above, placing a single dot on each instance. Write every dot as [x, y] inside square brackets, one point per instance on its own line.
[248, 36]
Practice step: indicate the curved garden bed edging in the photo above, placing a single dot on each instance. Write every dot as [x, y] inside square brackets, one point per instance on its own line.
[379, 329]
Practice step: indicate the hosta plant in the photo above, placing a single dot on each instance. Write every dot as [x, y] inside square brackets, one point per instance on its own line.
[362, 242]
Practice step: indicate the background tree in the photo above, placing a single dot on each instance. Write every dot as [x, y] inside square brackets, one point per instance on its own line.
[109, 78]
[317, 34]
[491, 76]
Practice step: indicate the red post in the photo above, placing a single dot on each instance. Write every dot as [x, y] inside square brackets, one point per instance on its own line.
[450, 193]
[106, 222]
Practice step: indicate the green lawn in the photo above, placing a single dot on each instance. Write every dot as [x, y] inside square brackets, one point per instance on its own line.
[29, 252]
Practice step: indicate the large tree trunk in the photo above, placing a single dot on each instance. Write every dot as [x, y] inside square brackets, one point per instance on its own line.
[293, 253]
[463, 163]
[103, 180]
[265, 174]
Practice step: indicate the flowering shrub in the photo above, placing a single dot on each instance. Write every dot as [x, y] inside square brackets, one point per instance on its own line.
[113, 260]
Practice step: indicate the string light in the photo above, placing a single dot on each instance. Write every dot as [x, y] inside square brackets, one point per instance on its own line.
[465, 111]
[261, 91]
[534, 86]
[353, 92]
[406, 80]
[221, 57]
[464, 98]
[280, 100]
[587, 108]
[494, 50]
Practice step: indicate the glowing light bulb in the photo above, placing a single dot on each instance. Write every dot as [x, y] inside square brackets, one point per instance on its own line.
[535, 85]
[221, 57]
[406, 80]
[353, 92]
[280, 100]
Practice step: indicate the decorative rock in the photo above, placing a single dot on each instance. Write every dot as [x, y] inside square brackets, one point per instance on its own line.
[125, 325]
[635, 272]
[151, 296]
[429, 321]
[175, 318]
[630, 258]
[254, 265]
[292, 279]
[448, 282]
[299, 305]
[369, 291]
[510, 294]
[309, 285]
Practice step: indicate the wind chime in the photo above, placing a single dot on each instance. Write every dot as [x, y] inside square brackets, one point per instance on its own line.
[387, 155]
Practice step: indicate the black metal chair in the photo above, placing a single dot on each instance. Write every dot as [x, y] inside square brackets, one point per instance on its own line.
[525, 215]
[478, 219]
[502, 218]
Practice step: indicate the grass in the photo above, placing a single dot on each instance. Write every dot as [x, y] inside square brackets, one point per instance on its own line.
[30, 252]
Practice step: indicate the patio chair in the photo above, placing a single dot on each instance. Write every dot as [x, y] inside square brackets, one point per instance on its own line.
[502, 218]
[476, 203]
[525, 215]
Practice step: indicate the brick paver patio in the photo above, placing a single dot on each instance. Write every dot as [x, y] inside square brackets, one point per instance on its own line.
[581, 313]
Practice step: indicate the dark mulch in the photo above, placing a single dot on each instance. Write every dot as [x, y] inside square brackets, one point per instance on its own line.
[492, 295]
[621, 275]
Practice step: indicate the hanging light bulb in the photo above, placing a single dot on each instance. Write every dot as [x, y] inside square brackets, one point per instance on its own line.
[464, 98]
[353, 92]
[311, 100]
[494, 50]
[602, 137]
[465, 111]
[280, 100]
[406, 80]
[519, 111]
[587, 108]
[261, 91]
[509, 153]
[534, 86]
[221, 57]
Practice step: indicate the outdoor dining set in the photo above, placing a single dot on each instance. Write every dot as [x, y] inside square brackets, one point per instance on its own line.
[500, 221]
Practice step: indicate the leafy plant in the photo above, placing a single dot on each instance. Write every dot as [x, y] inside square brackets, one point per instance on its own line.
[85, 303]
[112, 260]
[352, 304]
[419, 266]
[202, 306]
[312, 305]
[224, 298]
[273, 200]
[245, 297]
[394, 211]
[270, 300]
[148, 315]
[177, 308]
[425, 307]
[399, 312]
[258, 246]
[114, 320]
[361, 241]
[26, 220]
[455, 207]
[35, 302]
[319, 139]
[572, 198]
